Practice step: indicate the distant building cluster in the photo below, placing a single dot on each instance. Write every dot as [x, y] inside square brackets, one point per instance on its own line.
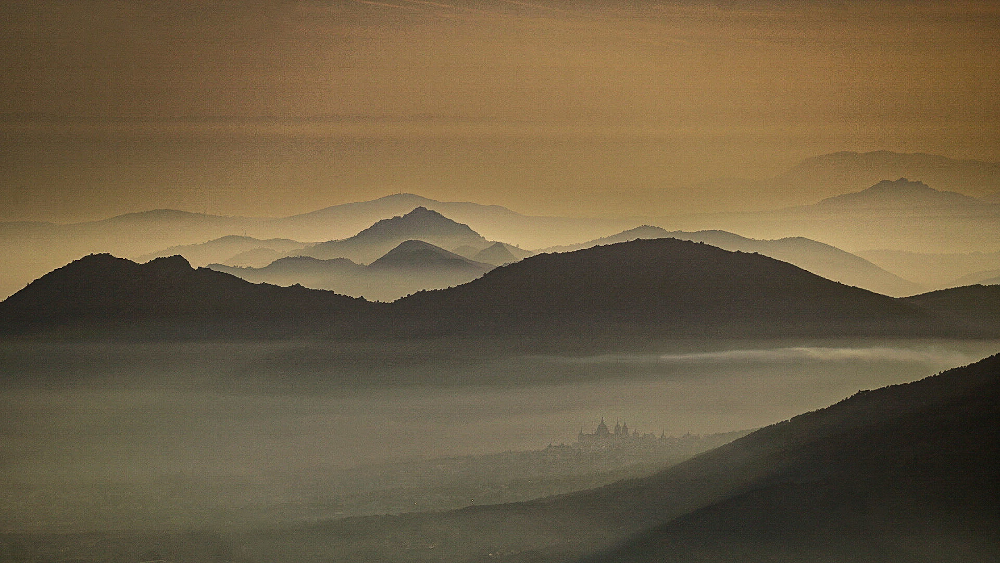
[621, 434]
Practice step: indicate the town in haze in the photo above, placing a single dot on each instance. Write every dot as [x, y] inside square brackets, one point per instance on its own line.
[517, 281]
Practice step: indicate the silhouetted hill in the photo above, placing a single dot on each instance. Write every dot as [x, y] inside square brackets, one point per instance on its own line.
[32, 249]
[900, 474]
[658, 287]
[223, 249]
[976, 307]
[100, 294]
[420, 255]
[821, 259]
[378, 239]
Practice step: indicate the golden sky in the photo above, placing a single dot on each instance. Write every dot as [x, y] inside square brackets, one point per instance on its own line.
[278, 107]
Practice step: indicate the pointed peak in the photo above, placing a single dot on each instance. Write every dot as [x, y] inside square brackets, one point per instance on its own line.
[421, 210]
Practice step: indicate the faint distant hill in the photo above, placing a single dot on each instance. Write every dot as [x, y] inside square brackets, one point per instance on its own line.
[104, 295]
[226, 249]
[337, 274]
[991, 281]
[410, 267]
[984, 277]
[896, 475]
[375, 241]
[937, 270]
[903, 196]
[816, 257]
[852, 171]
[894, 215]
[500, 253]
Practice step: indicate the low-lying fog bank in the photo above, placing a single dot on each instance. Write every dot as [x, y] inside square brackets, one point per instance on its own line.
[214, 435]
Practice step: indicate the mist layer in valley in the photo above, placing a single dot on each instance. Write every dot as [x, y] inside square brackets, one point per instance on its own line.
[224, 435]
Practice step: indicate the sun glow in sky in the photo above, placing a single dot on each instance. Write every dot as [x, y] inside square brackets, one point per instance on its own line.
[285, 106]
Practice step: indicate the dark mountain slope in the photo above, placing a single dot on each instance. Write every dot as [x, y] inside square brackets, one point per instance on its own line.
[378, 239]
[975, 307]
[821, 259]
[903, 473]
[656, 288]
[622, 295]
[167, 297]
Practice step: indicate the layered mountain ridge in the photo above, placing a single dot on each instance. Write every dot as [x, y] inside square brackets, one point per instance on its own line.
[644, 288]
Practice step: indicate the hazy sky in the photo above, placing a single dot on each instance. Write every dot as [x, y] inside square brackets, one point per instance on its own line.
[278, 107]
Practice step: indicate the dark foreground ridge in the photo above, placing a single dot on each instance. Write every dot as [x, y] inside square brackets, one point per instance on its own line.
[620, 293]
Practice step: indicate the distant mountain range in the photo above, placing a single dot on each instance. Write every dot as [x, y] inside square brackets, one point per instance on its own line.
[816, 257]
[900, 474]
[410, 267]
[644, 289]
[423, 224]
[231, 249]
[899, 215]
[30, 249]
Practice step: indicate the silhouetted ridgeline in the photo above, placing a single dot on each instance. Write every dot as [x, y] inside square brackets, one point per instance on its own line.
[616, 294]
[100, 295]
[658, 287]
